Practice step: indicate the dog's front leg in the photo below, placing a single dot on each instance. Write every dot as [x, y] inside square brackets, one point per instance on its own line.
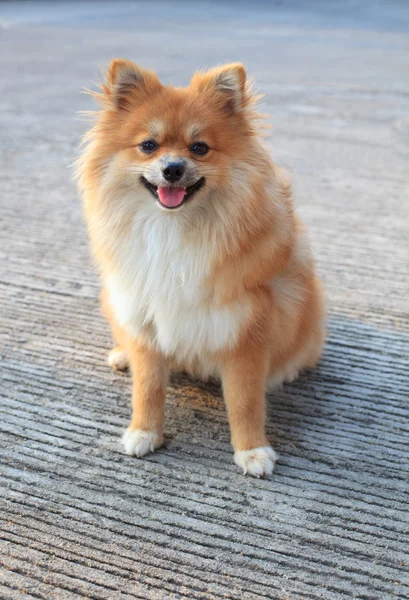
[244, 374]
[149, 377]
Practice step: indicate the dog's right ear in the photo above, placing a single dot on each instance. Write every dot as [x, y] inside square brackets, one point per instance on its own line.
[126, 83]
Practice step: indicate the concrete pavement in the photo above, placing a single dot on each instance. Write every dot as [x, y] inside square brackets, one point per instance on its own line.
[81, 520]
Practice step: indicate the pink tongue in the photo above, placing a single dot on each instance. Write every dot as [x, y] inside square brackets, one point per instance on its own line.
[171, 196]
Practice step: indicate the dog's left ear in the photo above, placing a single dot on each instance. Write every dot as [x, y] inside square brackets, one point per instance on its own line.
[228, 82]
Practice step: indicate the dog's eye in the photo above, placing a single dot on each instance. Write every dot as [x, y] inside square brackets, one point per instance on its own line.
[199, 148]
[148, 146]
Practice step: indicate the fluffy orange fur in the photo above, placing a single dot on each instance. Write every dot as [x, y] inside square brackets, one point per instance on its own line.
[225, 284]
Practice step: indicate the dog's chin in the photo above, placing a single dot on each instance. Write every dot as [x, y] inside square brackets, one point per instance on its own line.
[190, 192]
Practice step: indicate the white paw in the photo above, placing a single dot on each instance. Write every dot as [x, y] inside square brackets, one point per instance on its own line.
[257, 461]
[118, 360]
[139, 442]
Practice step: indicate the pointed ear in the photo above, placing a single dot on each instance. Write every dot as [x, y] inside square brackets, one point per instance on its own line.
[228, 80]
[127, 83]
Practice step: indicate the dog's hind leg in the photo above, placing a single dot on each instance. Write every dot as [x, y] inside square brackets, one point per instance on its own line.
[117, 359]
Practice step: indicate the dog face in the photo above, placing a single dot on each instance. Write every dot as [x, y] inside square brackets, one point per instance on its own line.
[176, 146]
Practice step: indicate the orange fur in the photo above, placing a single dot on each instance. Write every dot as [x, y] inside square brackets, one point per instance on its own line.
[224, 285]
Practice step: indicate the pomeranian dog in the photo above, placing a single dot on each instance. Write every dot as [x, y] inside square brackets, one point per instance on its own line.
[204, 266]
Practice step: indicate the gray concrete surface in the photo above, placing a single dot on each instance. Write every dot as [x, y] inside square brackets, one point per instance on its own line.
[81, 520]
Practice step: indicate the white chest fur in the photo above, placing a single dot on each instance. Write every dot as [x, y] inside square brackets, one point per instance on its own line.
[159, 285]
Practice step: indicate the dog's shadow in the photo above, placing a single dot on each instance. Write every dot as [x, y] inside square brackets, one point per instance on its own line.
[362, 375]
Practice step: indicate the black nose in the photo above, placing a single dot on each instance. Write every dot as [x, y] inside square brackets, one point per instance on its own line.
[173, 171]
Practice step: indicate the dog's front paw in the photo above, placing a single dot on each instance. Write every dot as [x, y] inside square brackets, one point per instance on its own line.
[139, 442]
[258, 462]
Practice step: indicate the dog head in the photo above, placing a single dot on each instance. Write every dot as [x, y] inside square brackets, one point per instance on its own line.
[175, 146]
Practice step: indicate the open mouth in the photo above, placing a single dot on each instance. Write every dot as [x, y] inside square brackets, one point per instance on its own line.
[173, 197]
